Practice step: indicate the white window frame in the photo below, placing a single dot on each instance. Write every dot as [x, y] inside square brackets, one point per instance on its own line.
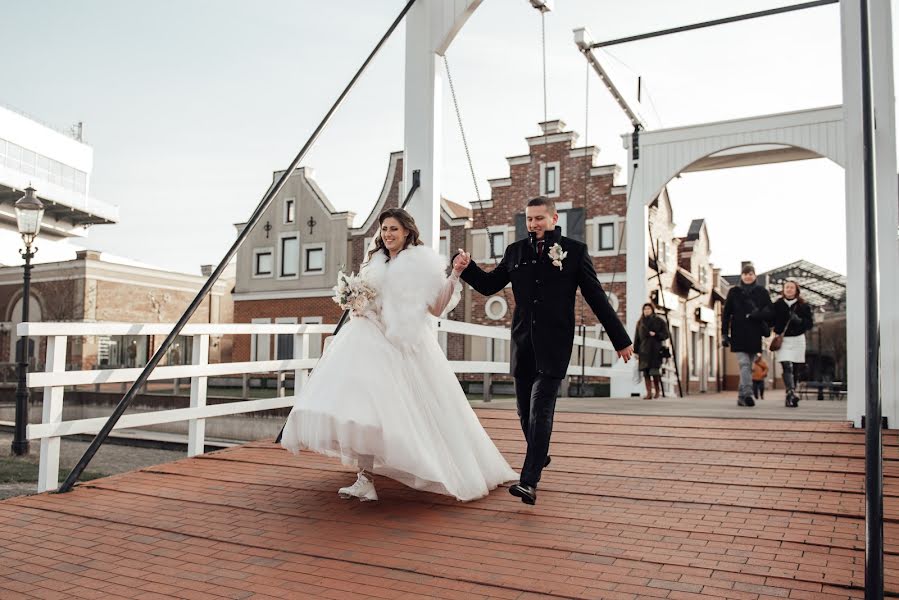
[280, 261]
[445, 237]
[599, 229]
[480, 241]
[663, 252]
[558, 172]
[315, 339]
[317, 246]
[695, 364]
[563, 221]
[594, 225]
[287, 203]
[257, 339]
[284, 321]
[490, 249]
[256, 252]
[605, 357]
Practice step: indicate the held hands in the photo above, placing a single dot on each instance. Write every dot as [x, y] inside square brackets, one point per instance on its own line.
[461, 262]
[626, 353]
[652, 333]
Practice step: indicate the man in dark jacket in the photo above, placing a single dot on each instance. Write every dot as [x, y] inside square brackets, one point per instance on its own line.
[743, 327]
[545, 270]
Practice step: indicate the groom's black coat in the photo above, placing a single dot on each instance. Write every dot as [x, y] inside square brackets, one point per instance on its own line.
[543, 322]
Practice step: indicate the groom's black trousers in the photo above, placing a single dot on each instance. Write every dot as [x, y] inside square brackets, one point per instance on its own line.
[536, 394]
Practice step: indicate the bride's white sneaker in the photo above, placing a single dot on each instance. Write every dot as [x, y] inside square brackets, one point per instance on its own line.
[364, 489]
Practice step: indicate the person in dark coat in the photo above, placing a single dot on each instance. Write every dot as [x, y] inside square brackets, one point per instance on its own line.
[743, 326]
[545, 269]
[651, 332]
[791, 317]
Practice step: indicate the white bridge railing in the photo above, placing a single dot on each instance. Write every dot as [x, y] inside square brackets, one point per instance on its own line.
[55, 378]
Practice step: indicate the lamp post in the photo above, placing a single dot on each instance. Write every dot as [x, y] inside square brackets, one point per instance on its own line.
[29, 212]
[819, 320]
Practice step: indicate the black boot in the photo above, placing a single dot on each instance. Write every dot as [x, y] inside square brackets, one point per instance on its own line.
[792, 401]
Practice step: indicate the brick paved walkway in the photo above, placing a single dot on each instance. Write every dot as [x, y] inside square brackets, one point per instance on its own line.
[632, 507]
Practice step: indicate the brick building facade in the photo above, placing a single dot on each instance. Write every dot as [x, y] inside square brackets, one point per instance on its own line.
[592, 208]
[90, 289]
[266, 293]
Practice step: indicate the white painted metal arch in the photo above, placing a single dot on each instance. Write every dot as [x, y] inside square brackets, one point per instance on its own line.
[665, 153]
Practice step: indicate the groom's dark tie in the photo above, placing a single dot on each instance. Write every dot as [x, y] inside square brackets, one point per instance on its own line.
[540, 248]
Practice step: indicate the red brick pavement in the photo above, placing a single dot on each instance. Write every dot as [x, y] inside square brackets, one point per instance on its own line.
[631, 508]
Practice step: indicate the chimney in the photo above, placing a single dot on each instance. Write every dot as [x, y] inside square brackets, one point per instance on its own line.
[206, 270]
[87, 255]
[551, 127]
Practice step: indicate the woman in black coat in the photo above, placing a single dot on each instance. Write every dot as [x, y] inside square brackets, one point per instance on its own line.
[651, 332]
[791, 317]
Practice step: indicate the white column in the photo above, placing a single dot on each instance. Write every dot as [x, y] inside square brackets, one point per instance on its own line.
[887, 205]
[637, 257]
[430, 27]
[48, 471]
[855, 223]
[424, 140]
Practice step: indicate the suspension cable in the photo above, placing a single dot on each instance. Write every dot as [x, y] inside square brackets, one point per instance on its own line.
[474, 179]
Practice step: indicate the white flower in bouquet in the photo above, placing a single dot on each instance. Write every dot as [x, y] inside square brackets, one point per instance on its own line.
[352, 292]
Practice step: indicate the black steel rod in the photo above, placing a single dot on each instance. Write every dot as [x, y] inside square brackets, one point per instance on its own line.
[416, 183]
[873, 423]
[251, 223]
[724, 21]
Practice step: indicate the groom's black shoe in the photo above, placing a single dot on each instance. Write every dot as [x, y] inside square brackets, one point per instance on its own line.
[527, 493]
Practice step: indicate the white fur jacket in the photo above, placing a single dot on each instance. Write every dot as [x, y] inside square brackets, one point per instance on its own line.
[411, 287]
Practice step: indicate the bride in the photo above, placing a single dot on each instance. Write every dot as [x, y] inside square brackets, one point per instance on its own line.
[383, 398]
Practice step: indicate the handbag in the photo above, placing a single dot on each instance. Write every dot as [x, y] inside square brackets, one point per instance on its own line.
[778, 340]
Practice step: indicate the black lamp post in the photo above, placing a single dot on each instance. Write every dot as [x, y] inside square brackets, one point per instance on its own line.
[819, 322]
[29, 212]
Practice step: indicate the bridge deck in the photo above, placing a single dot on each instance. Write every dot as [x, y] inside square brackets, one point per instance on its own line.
[632, 507]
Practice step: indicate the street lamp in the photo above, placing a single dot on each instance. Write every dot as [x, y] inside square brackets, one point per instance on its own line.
[819, 320]
[29, 212]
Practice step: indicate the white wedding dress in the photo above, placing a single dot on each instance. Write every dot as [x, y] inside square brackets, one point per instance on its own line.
[383, 393]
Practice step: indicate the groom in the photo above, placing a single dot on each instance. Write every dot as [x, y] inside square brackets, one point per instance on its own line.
[545, 271]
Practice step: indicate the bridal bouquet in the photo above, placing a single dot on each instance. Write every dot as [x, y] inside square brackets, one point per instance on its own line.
[352, 292]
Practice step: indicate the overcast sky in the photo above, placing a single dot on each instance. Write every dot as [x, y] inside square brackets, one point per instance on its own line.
[191, 104]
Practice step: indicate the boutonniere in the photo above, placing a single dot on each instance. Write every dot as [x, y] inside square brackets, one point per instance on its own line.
[557, 255]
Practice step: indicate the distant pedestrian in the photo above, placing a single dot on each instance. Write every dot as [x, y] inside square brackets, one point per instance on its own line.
[743, 327]
[791, 317]
[651, 333]
[759, 373]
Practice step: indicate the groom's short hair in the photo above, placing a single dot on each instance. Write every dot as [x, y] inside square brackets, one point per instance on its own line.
[543, 201]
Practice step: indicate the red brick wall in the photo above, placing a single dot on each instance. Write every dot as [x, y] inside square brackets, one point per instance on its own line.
[509, 201]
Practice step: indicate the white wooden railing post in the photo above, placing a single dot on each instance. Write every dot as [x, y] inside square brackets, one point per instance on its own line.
[48, 471]
[196, 431]
[300, 351]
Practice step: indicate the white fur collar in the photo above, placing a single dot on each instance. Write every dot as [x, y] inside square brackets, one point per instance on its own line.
[407, 286]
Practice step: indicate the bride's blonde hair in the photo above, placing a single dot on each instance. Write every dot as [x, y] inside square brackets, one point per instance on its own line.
[408, 223]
